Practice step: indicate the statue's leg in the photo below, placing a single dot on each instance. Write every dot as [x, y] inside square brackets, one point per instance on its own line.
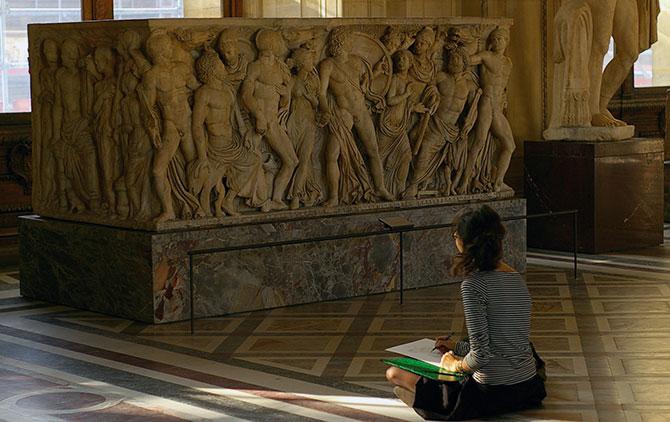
[367, 134]
[501, 129]
[301, 173]
[626, 37]
[105, 158]
[602, 12]
[217, 182]
[283, 147]
[133, 186]
[162, 159]
[403, 170]
[332, 170]
[485, 112]
[424, 163]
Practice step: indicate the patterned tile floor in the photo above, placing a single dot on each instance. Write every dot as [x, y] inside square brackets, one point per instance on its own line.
[605, 338]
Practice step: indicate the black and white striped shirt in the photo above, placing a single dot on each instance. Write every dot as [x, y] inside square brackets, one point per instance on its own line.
[497, 309]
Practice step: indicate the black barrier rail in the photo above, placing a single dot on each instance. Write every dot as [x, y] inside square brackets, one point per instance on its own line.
[396, 225]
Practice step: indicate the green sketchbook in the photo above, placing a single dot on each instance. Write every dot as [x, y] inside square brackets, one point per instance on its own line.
[424, 369]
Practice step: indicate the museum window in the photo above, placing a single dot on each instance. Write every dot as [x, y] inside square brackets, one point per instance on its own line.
[294, 8]
[652, 68]
[151, 9]
[14, 17]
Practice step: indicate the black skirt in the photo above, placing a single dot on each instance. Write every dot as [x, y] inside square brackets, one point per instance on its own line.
[468, 399]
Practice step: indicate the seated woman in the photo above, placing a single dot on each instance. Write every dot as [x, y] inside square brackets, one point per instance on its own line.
[504, 373]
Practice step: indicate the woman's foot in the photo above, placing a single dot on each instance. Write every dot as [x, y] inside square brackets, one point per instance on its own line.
[404, 395]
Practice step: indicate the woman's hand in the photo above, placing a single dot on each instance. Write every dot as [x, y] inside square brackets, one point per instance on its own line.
[445, 344]
[450, 362]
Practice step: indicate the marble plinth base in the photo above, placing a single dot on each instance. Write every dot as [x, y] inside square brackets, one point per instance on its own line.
[144, 275]
[581, 134]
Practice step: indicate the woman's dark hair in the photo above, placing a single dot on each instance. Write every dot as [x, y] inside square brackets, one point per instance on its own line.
[482, 233]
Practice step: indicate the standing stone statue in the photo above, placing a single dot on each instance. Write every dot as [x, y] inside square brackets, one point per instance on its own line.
[342, 104]
[632, 24]
[572, 52]
[266, 92]
[495, 72]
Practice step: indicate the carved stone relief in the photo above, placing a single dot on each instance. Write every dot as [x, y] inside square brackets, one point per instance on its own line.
[143, 123]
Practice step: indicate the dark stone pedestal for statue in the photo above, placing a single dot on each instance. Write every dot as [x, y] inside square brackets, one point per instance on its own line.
[144, 275]
[617, 186]
[666, 179]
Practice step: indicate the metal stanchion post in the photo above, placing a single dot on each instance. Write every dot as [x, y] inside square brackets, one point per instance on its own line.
[402, 268]
[399, 225]
[190, 284]
[574, 242]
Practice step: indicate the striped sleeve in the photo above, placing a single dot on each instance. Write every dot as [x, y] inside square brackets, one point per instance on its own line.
[476, 321]
[462, 348]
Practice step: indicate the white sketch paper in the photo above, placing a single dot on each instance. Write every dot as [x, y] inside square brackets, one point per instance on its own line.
[421, 350]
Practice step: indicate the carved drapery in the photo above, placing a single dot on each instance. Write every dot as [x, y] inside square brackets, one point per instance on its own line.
[141, 123]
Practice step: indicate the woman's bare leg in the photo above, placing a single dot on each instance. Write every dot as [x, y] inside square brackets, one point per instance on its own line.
[402, 378]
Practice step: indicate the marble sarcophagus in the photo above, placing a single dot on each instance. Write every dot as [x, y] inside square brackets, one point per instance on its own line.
[155, 138]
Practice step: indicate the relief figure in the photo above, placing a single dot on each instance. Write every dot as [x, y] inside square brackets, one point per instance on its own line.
[266, 92]
[135, 146]
[78, 174]
[46, 102]
[165, 92]
[423, 67]
[424, 72]
[217, 124]
[494, 74]
[393, 40]
[445, 140]
[235, 62]
[104, 123]
[302, 127]
[342, 103]
[394, 123]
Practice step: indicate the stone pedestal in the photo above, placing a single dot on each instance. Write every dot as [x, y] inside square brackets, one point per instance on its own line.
[666, 202]
[617, 187]
[144, 275]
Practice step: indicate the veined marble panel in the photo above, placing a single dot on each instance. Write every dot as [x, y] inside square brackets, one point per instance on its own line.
[145, 275]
